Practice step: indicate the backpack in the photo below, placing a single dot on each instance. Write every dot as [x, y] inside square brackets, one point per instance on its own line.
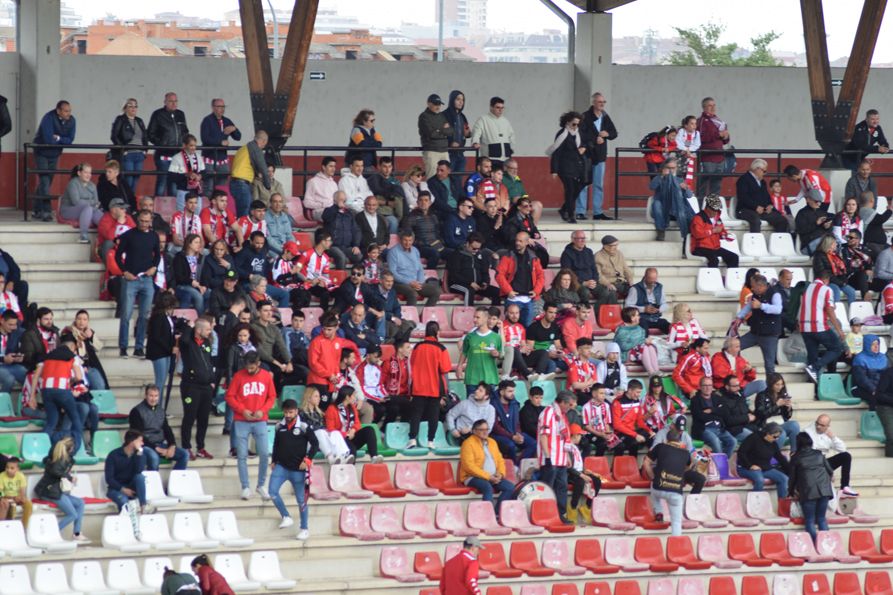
[643, 144]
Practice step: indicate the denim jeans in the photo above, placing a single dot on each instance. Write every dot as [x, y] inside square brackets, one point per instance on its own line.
[278, 477]
[241, 191]
[132, 162]
[72, 509]
[768, 347]
[814, 512]
[44, 181]
[153, 459]
[89, 414]
[674, 503]
[753, 387]
[710, 180]
[161, 368]
[504, 487]
[757, 477]
[789, 431]
[743, 434]
[258, 429]
[55, 398]
[144, 289]
[720, 441]
[526, 310]
[598, 191]
[833, 349]
[515, 451]
[162, 187]
[847, 290]
[190, 297]
[282, 297]
[11, 374]
[95, 380]
[138, 485]
[556, 478]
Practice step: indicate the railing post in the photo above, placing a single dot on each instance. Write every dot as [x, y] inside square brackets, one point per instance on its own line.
[616, 182]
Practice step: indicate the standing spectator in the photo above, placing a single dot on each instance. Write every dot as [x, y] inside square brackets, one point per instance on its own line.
[567, 162]
[553, 439]
[671, 196]
[12, 371]
[707, 232]
[186, 167]
[364, 136]
[325, 352]
[810, 483]
[693, 366]
[482, 467]
[492, 133]
[57, 127]
[714, 134]
[754, 203]
[707, 419]
[597, 129]
[80, 201]
[817, 318]
[167, 128]
[689, 142]
[773, 405]
[478, 353]
[112, 186]
[347, 239]
[196, 386]
[57, 378]
[294, 445]
[342, 416]
[459, 131]
[482, 173]
[730, 362]
[220, 276]
[823, 440]
[321, 188]
[755, 456]
[248, 164]
[812, 183]
[460, 573]
[647, 297]
[375, 228]
[129, 130]
[668, 463]
[434, 134]
[629, 421]
[861, 181]
[469, 273]
[216, 131]
[613, 272]
[149, 419]
[185, 222]
[251, 394]
[426, 227]
[762, 310]
[530, 412]
[858, 262]
[578, 257]
[137, 255]
[430, 363]
[405, 264]
[519, 275]
[124, 472]
[868, 137]
[271, 346]
[459, 225]
[56, 467]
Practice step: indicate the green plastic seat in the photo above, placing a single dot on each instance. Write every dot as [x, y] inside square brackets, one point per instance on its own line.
[9, 446]
[397, 437]
[458, 387]
[549, 391]
[82, 458]
[383, 449]
[441, 446]
[293, 392]
[521, 391]
[271, 434]
[831, 389]
[697, 443]
[670, 386]
[108, 407]
[870, 427]
[105, 441]
[275, 412]
[7, 410]
[35, 446]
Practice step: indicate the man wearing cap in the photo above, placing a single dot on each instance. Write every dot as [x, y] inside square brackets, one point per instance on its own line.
[691, 477]
[111, 225]
[482, 467]
[460, 573]
[811, 224]
[223, 297]
[434, 134]
[667, 464]
[707, 232]
[613, 271]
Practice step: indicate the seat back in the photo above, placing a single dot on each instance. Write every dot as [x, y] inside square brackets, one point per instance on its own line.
[861, 543]
[463, 318]
[754, 244]
[86, 576]
[417, 516]
[840, 312]
[618, 550]
[627, 587]
[376, 476]
[598, 465]
[606, 510]
[428, 563]
[354, 520]
[661, 586]
[786, 584]
[870, 427]
[815, 584]
[544, 512]
[847, 583]
[123, 574]
[264, 566]
[481, 515]
[588, 552]
[394, 561]
[781, 244]
[697, 507]
[722, 464]
[735, 278]
[154, 487]
[556, 554]
[887, 541]
[831, 387]
[35, 446]
[440, 474]
[396, 435]
[861, 310]
[154, 529]
[231, 567]
[638, 509]
[513, 514]
[153, 571]
[728, 506]
[117, 531]
[491, 556]
[722, 585]
[105, 441]
[649, 550]
[565, 589]
[43, 530]
[596, 588]
[773, 545]
[800, 545]
[878, 582]
[549, 391]
[437, 314]
[16, 579]
[679, 547]
[449, 516]
[185, 483]
[709, 281]
[385, 518]
[754, 585]
[343, 478]
[830, 543]
[609, 316]
[222, 525]
[188, 527]
[626, 468]
[741, 546]
[522, 554]
[409, 475]
[758, 505]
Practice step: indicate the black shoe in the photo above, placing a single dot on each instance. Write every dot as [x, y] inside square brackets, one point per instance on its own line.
[564, 520]
[225, 432]
[660, 235]
[581, 216]
[123, 353]
[602, 217]
[659, 517]
[139, 353]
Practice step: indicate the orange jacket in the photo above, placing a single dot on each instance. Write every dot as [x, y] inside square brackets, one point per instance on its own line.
[702, 233]
[722, 369]
[430, 363]
[505, 272]
[324, 355]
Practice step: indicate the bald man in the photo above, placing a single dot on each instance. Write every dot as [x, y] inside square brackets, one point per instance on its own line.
[824, 440]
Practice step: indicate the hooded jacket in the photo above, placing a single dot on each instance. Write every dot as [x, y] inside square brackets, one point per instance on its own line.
[458, 122]
[867, 366]
[469, 411]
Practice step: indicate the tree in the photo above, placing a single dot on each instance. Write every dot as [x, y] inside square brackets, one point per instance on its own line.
[705, 49]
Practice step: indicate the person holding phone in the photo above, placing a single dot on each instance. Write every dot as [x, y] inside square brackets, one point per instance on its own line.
[11, 369]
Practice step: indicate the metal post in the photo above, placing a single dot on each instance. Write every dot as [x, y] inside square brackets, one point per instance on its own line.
[275, 30]
[440, 30]
[571, 29]
[616, 183]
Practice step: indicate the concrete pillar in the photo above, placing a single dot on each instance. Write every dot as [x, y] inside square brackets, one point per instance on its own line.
[592, 62]
[40, 64]
[837, 178]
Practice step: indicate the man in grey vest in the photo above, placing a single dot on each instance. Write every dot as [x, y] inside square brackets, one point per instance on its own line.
[158, 438]
[647, 296]
[765, 306]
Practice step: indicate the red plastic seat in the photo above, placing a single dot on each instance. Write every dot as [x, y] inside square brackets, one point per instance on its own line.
[830, 543]
[638, 511]
[410, 476]
[304, 240]
[319, 487]
[498, 590]
[429, 564]
[463, 318]
[387, 351]
[862, 544]
[680, 551]
[626, 469]
[627, 587]
[384, 518]
[556, 554]
[354, 522]
[429, 591]
[800, 546]
[877, 582]
[597, 588]
[698, 509]
[439, 315]
[394, 563]
[887, 542]
[545, 514]
[773, 546]
[609, 316]
[513, 514]
[311, 318]
[690, 585]
[728, 507]
[661, 586]
[599, 465]
[338, 276]
[417, 518]
[754, 585]
[588, 554]
[523, 556]
[565, 589]
[816, 584]
[377, 478]
[296, 210]
[606, 513]
[741, 547]
[411, 313]
[440, 475]
[619, 551]
[450, 517]
[534, 590]
[492, 558]
[650, 550]
[847, 583]
[722, 585]
[712, 549]
[482, 517]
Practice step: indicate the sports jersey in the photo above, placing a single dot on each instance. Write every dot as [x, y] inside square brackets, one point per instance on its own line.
[813, 180]
[183, 224]
[248, 226]
[9, 301]
[513, 335]
[316, 266]
[553, 423]
[579, 370]
[888, 298]
[220, 223]
[480, 365]
[815, 299]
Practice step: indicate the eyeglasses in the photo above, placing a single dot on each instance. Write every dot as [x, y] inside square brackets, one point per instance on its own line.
[524, 206]
[220, 105]
[355, 274]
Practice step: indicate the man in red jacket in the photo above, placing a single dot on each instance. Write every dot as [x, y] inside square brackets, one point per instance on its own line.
[251, 395]
[460, 573]
[430, 363]
[519, 275]
[730, 362]
[707, 232]
[693, 366]
[714, 134]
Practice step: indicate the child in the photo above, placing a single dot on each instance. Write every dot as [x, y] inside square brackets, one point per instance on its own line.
[635, 344]
[581, 372]
[597, 422]
[780, 202]
[688, 141]
[854, 340]
[530, 411]
[12, 492]
[373, 264]
[662, 145]
[611, 372]
[583, 481]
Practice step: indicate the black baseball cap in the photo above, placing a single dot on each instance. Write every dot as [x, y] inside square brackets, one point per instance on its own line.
[435, 99]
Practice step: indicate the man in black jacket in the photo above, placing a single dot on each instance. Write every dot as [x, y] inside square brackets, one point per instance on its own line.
[469, 273]
[707, 424]
[223, 297]
[386, 187]
[811, 224]
[596, 130]
[196, 387]
[167, 128]
[138, 254]
[735, 414]
[434, 134]
[294, 445]
[158, 438]
[754, 204]
[488, 224]
[368, 217]
[868, 137]
[5, 120]
[346, 236]
[444, 190]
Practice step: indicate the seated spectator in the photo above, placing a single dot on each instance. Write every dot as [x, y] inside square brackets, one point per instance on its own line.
[12, 276]
[659, 407]
[460, 419]
[270, 346]
[159, 225]
[857, 261]
[755, 457]
[781, 203]
[396, 381]
[685, 329]
[459, 225]
[531, 410]
[186, 167]
[220, 224]
[647, 296]
[707, 422]
[158, 438]
[514, 340]
[413, 185]
[579, 258]
[885, 409]
[736, 416]
[255, 220]
[685, 438]
[543, 342]
[405, 264]
[469, 272]
[754, 204]
[826, 258]
[824, 440]
[344, 417]
[12, 372]
[223, 297]
[693, 365]
[522, 221]
[111, 186]
[261, 192]
[187, 263]
[374, 227]
[613, 271]
[57, 466]
[584, 483]
[373, 265]
[347, 240]
[874, 237]
[611, 372]
[39, 340]
[13, 492]
[80, 201]
[356, 329]
[670, 201]
[488, 223]
[867, 368]
[854, 340]
[581, 372]
[812, 223]
[9, 300]
[382, 298]
[296, 344]
[352, 291]
[847, 220]
[578, 326]
[730, 362]
[482, 467]
[635, 345]
[861, 181]
[331, 443]
[660, 145]
[565, 292]
[519, 275]
[506, 432]
[315, 264]
[124, 472]
[883, 269]
[386, 188]
[217, 266]
[444, 194]
[426, 227]
[629, 422]
[321, 189]
[88, 346]
[773, 405]
[112, 224]
[486, 190]
[707, 231]
[354, 185]
[279, 224]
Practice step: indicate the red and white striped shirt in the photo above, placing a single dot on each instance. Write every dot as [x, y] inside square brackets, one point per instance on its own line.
[487, 189]
[316, 266]
[513, 335]
[597, 415]
[681, 332]
[779, 202]
[579, 370]
[553, 423]
[9, 301]
[219, 222]
[282, 267]
[248, 226]
[888, 298]
[813, 180]
[816, 298]
[183, 224]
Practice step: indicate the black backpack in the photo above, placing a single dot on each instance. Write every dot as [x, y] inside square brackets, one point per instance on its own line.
[643, 144]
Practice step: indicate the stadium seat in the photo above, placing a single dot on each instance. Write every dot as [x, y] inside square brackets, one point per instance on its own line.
[233, 570]
[263, 567]
[186, 485]
[773, 546]
[710, 283]
[396, 435]
[223, 527]
[661, 586]
[862, 545]
[440, 475]
[153, 571]
[754, 585]
[722, 585]
[108, 407]
[463, 318]
[188, 528]
[154, 531]
[549, 391]
[556, 554]
[534, 590]
[124, 576]
[35, 446]
[813, 584]
[394, 563]
[15, 580]
[343, 479]
[354, 522]
[588, 554]
[545, 514]
[513, 514]
[754, 245]
[410, 476]
[492, 559]
[105, 441]
[429, 564]
[759, 506]
[728, 507]
[523, 556]
[383, 450]
[627, 587]
[741, 548]
[565, 589]
[886, 547]
[831, 388]
[319, 487]
[82, 458]
[439, 315]
[599, 466]
[830, 543]
[787, 584]
[43, 532]
[870, 427]
[800, 546]
[442, 446]
[155, 495]
[377, 479]
[681, 552]
[609, 316]
[847, 583]
[861, 310]
[876, 583]
[650, 550]
[411, 313]
[384, 518]
[450, 517]
[734, 279]
[770, 273]
[417, 517]
[638, 510]
[781, 244]
[596, 588]
[86, 577]
[626, 469]
[117, 533]
[726, 478]
[840, 312]
[8, 417]
[499, 590]
[619, 552]
[12, 536]
[698, 508]
[731, 244]
[482, 517]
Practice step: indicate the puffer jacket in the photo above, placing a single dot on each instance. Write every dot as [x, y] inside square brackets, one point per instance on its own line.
[810, 475]
[49, 487]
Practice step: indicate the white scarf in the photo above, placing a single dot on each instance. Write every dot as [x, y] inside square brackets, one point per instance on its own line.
[560, 139]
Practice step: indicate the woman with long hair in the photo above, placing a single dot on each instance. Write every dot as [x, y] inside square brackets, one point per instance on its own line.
[211, 581]
[568, 163]
[413, 183]
[774, 405]
[161, 341]
[363, 135]
[810, 484]
[343, 416]
[660, 408]
[565, 290]
[80, 201]
[826, 257]
[847, 220]
[216, 265]
[187, 270]
[331, 443]
[685, 328]
[55, 486]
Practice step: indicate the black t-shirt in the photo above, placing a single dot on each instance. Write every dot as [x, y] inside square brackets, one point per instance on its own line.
[671, 463]
[542, 337]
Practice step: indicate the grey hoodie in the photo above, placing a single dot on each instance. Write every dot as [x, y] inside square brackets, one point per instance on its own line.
[469, 411]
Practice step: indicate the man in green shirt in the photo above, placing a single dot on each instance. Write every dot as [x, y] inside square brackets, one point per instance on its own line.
[480, 349]
[515, 187]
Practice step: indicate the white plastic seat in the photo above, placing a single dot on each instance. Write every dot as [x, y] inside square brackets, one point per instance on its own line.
[232, 569]
[786, 584]
[861, 310]
[840, 312]
[155, 532]
[83, 488]
[50, 578]
[187, 486]
[795, 207]
[153, 571]
[155, 495]
[264, 567]
[86, 576]
[223, 527]
[880, 204]
[770, 273]
[185, 565]
[117, 534]
[727, 219]
[123, 575]
[43, 533]
[783, 356]
[797, 275]
[188, 528]
[754, 245]
[781, 244]
[12, 536]
[735, 279]
[15, 580]
[710, 283]
[731, 244]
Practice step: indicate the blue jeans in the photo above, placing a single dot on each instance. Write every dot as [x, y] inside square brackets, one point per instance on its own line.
[132, 162]
[279, 294]
[757, 477]
[11, 374]
[753, 387]
[72, 509]
[742, 435]
[674, 503]
[89, 413]
[393, 224]
[830, 341]
[768, 347]
[153, 459]
[504, 487]
[161, 368]
[144, 289]
[789, 431]
[258, 429]
[138, 485]
[662, 213]
[848, 291]
[241, 191]
[814, 512]
[526, 310]
[190, 297]
[55, 398]
[556, 478]
[598, 191]
[162, 187]
[296, 478]
[720, 441]
[44, 181]
[95, 380]
[515, 451]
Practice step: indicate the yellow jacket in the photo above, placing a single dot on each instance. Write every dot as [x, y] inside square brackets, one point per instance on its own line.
[242, 167]
[471, 459]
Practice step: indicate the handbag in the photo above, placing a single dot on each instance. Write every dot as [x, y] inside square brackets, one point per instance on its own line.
[66, 485]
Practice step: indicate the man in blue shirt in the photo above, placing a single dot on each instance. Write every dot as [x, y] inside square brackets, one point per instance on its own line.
[57, 127]
[406, 265]
[124, 472]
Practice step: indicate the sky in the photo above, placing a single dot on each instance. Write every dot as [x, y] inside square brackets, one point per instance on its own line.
[743, 19]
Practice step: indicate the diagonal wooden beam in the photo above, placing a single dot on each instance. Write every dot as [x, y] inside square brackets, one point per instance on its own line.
[859, 62]
[257, 56]
[817, 62]
[294, 60]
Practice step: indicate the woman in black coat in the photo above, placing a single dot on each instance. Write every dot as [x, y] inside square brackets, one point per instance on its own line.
[568, 163]
[56, 467]
[187, 272]
[810, 483]
[129, 129]
[161, 340]
[216, 265]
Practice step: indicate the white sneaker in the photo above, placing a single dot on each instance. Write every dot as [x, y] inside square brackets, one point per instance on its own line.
[813, 375]
[263, 493]
[412, 444]
[533, 377]
[246, 494]
[287, 522]
[848, 491]
[505, 377]
[332, 460]
[548, 376]
[349, 460]
[81, 539]
[303, 534]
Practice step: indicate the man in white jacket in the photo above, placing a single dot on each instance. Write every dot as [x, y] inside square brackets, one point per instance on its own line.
[354, 185]
[824, 440]
[493, 134]
[321, 188]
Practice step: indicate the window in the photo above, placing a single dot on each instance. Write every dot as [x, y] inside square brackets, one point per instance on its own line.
[350, 54]
[200, 50]
[82, 46]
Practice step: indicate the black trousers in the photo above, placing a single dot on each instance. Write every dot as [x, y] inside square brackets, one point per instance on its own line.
[778, 221]
[592, 444]
[695, 480]
[538, 360]
[468, 294]
[878, 284]
[842, 461]
[427, 408]
[649, 321]
[196, 410]
[572, 187]
[395, 408]
[713, 256]
[365, 437]
[578, 483]
[859, 281]
[628, 445]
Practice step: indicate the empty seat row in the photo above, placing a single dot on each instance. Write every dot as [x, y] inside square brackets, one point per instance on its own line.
[188, 532]
[438, 477]
[711, 282]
